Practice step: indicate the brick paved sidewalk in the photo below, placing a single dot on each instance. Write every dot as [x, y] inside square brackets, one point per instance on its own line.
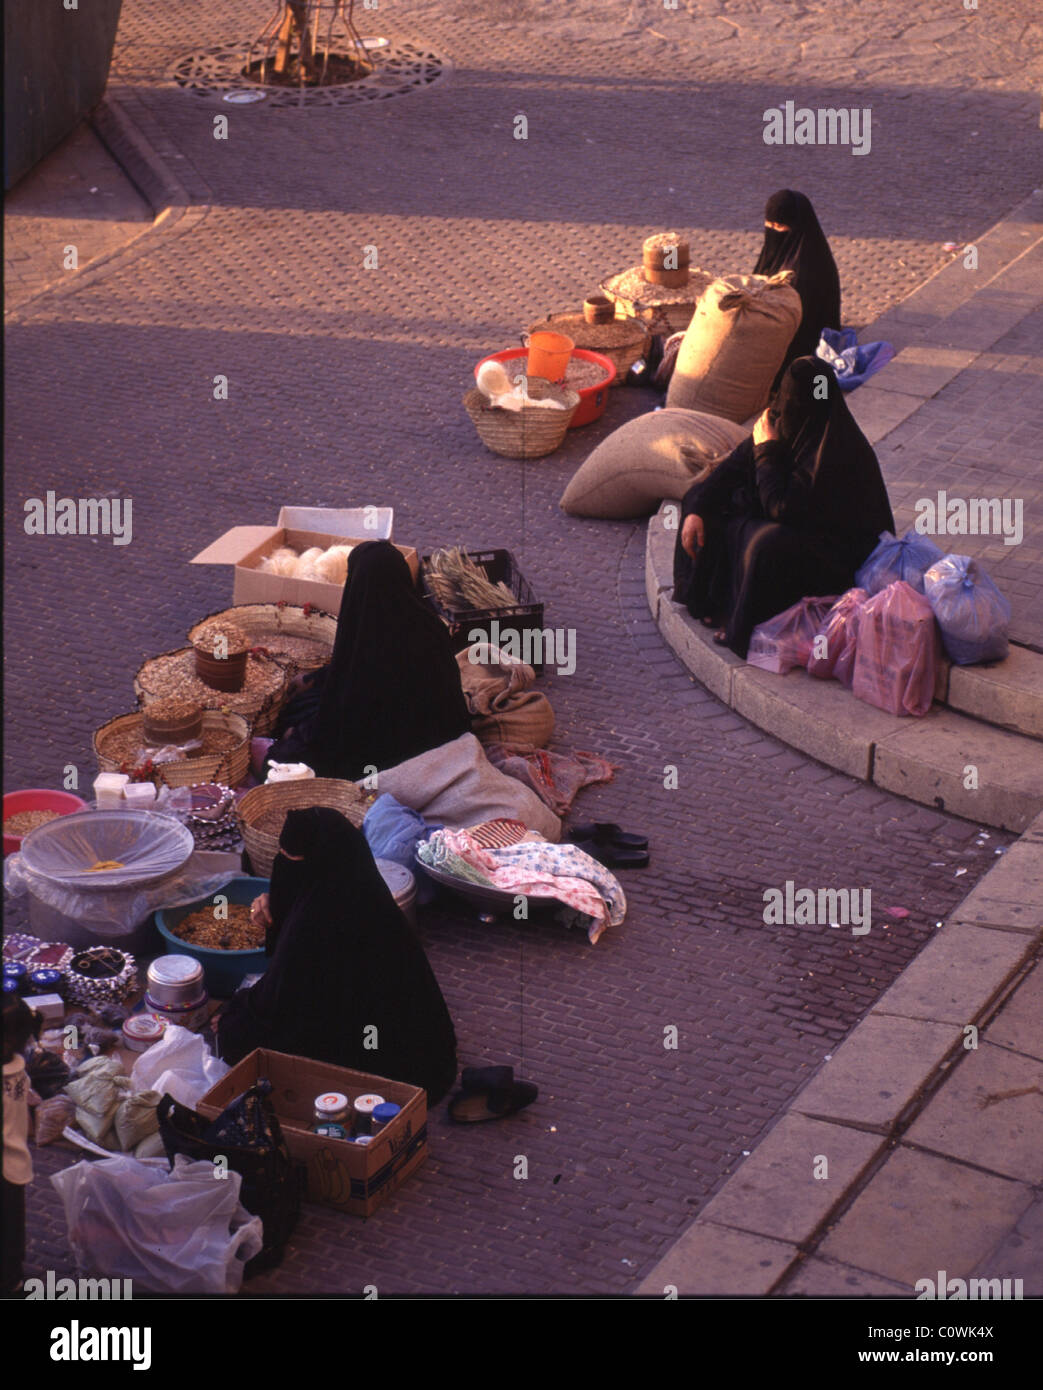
[344, 388]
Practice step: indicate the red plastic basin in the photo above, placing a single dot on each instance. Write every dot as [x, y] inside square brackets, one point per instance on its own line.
[592, 399]
[37, 799]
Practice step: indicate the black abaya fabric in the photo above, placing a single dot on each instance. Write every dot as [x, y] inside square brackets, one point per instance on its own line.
[804, 250]
[345, 961]
[392, 688]
[787, 519]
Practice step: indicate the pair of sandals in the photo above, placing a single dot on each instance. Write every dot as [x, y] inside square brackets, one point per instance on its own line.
[611, 845]
[719, 636]
[489, 1093]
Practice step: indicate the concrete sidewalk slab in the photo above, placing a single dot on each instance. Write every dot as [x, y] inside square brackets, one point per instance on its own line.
[717, 1260]
[1019, 1255]
[1008, 693]
[816, 1278]
[989, 1113]
[921, 1213]
[957, 976]
[1020, 1024]
[877, 1072]
[781, 1191]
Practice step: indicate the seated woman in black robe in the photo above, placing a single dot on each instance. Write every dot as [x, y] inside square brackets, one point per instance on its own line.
[343, 961]
[792, 512]
[392, 688]
[793, 240]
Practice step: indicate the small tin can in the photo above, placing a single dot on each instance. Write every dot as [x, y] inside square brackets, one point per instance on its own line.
[363, 1139]
[46, 981]
[191, 1016]
[363, 1108]
[384, 1114]
[329, 1130]
[16, 972]
[11, 984]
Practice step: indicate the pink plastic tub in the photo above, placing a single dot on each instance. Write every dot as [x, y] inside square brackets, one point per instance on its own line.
[592, 399]
[37, 799]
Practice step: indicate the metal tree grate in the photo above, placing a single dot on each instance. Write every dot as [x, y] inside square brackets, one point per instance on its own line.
[219, 70]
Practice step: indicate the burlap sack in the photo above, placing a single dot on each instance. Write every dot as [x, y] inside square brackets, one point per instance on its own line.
[655, 456]
[504, 707]
[735, 344]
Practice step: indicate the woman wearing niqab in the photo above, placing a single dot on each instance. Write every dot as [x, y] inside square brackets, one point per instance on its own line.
[343, 961]
[392, 687]
[802, 248]
[792, 512]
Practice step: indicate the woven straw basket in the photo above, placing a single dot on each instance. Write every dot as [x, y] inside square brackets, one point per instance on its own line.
[260, 708]
[228, 768]
[262, 811]
[631, 335]
[529, 433]
[266, 623]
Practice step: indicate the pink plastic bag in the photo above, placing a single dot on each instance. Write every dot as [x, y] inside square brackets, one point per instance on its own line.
[896, 661]
[785, 641]
[833, 649]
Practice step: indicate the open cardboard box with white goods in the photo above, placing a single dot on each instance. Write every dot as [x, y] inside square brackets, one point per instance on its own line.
[244, 547]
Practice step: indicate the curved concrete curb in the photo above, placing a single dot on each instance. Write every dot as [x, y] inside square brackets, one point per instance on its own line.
[927, 760]
[150, 173]
[769, 1219]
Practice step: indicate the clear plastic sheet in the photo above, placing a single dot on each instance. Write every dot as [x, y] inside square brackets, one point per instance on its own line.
[146, 844]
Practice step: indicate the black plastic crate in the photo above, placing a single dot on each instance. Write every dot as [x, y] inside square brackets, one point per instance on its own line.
[500, 566]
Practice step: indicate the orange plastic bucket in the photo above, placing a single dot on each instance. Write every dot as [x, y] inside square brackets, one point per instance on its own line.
[549, 355]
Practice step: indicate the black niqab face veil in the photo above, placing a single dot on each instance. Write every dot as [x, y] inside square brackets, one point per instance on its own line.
[392, 689]
[804, 250]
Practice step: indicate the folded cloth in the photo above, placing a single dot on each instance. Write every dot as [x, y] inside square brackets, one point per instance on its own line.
[393, 832]
[556, 778]
[456, 785]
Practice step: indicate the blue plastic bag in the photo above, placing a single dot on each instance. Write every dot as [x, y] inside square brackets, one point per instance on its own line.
[908, 559]
[393, 831]
[970, 611]
[851, 361]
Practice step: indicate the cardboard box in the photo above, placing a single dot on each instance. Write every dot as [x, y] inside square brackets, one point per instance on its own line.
[355, 1178]
[244, 547]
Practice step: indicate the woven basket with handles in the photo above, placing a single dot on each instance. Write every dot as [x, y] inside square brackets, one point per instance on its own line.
[229, 768]
[262, 811]
[266, 623]
[529, 433]
[260, 707]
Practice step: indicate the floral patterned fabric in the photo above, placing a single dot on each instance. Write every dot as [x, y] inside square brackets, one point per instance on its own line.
[537, 869]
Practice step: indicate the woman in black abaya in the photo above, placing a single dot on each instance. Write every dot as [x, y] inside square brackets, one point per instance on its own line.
[792, 512]
[343, 960]
[392, 687]
[793, 240]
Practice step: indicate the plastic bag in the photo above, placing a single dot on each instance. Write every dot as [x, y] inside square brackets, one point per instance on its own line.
[179, 1063]
[786, 640]
[971, 612]
[99, 1087]
[174, 1232]
[837, 639]
[893, 559]
[852, 362]
[136, 1118]
[896, 661]
[50, 1117]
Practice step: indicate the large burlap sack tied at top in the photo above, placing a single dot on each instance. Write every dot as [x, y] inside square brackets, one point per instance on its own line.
[735, 344]
[656, 456]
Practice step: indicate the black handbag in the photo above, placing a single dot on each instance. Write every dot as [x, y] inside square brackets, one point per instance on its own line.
[248, 1136]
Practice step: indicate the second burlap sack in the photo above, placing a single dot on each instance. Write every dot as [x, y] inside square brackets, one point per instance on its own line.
[735, 344]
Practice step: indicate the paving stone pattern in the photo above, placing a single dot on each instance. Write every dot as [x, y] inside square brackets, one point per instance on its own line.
[343, 389]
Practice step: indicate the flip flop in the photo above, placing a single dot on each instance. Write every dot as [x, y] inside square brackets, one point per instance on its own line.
[614, 857]
[608, 833]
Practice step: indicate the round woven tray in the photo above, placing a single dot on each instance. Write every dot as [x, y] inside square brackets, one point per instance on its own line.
[529, 433]
[623, 341]
[297, 640]
[262, 811]
[661, 308]
[229, 766]
[259, 701]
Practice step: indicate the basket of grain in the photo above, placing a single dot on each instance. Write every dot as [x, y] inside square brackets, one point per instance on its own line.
[621, 340]
[529, 433]
[262, 811]
[258, 702]
[121, 746]
[298, 638]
